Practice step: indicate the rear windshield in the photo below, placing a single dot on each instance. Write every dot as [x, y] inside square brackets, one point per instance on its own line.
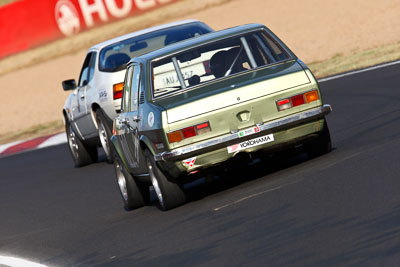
[215, 60]
[114, 57]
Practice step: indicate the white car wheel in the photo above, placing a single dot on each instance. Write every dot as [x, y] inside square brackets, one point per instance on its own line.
[73, 145]
[82, 154]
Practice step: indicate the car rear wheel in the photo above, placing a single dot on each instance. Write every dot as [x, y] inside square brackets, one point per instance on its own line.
[321, 145]
[105, 135]
[82, 154]
[134, 194]
[169, 193]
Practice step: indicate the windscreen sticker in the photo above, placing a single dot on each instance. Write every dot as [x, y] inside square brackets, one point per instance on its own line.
[189, 162]
[103, 95]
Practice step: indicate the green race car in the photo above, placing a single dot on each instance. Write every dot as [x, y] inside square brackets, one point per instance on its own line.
[201, 102]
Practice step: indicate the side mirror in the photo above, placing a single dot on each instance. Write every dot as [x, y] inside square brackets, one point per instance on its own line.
[69, 84]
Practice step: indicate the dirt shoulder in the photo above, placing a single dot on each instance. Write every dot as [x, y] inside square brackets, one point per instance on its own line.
[31, 94]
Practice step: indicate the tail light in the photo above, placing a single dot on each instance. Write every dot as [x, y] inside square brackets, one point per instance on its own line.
[206, 65]
[284, 104]
[188, 132]
[311, 96]
[297, 100]
[117, 90]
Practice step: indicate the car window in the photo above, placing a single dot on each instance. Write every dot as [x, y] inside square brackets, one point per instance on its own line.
[87, 68]
[214, 60]
[115, 56]
[135, 87]
[92, 65]
[127, 90]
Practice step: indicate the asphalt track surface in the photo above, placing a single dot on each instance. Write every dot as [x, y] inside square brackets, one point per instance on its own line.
[341, 209]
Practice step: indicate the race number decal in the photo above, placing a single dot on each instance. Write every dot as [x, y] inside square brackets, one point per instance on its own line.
[150, 119]
[103, 95]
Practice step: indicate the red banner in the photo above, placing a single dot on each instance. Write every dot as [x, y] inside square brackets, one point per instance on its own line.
[28, 23]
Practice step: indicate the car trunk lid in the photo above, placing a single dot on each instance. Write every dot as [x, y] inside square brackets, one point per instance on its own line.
[234, 103]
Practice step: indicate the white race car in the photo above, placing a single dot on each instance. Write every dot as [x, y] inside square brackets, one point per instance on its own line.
[96, 99]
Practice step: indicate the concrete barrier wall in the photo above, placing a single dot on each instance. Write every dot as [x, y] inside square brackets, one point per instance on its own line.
[28, 23]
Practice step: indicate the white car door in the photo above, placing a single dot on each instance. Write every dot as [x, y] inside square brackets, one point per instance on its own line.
[82, 115]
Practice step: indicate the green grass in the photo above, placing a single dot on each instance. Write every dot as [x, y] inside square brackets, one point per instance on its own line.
[356, 60]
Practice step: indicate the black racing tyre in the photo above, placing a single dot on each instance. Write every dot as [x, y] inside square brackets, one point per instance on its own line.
[134, 194]
[321, 145]
[82, 154]
[169, 193]
[105, 135]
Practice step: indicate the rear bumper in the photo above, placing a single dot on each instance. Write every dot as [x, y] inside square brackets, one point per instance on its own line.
[265, 128]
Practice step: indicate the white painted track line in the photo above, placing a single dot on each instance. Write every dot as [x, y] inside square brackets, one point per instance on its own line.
[359, 71]
[17, 262]
[54, 140]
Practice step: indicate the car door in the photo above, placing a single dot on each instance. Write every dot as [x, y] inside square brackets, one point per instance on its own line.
[131, 119]
[76, 107]
[82, 114]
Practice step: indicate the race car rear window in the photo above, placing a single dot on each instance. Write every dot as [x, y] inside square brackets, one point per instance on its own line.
[218, 59]
[114, 57]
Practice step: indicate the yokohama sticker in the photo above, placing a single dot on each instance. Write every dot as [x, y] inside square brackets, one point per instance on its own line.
[189, 162]
[251, 143]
